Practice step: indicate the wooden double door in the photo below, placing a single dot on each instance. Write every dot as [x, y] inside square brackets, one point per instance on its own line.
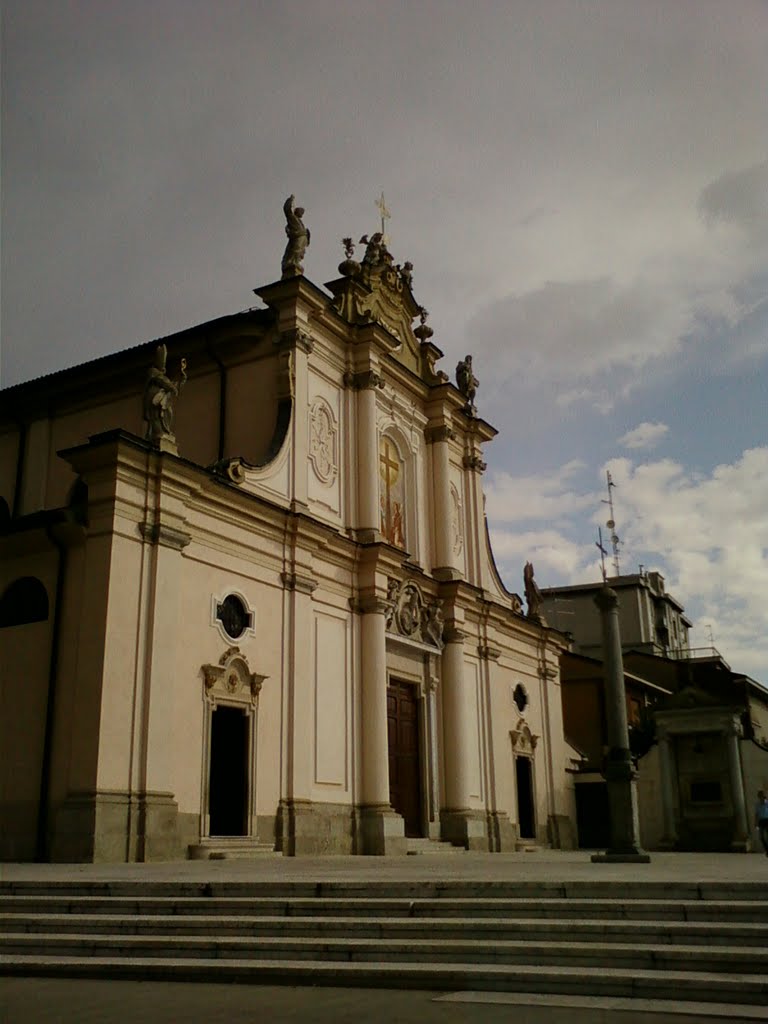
[403, 728]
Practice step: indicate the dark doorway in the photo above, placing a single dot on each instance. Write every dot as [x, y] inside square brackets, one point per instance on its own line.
[228, 792]
[525, 811]
[593, 815]
[404, 760]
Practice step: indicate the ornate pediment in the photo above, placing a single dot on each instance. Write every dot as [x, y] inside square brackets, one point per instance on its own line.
[379, 290]
[523, 740]
[410, 616]
[232, 679]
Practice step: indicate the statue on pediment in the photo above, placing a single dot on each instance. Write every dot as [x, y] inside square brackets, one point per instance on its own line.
[159, 394]
[298, 239]
[467, 382]
[532, 594]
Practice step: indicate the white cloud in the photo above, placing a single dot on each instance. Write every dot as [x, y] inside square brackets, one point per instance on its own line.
[535, 498]
[707, 533]
[644, 435]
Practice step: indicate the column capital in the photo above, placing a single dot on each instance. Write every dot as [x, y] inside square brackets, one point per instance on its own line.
[453, 635]
[442, 432]
[363, 380]
[370, 604]
[606, 599]
[474, 462]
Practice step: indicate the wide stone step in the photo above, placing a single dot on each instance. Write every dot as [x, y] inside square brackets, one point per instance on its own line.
[694, 933]
[355, 950]
[608, 909]
[742, 988]
[663, 892]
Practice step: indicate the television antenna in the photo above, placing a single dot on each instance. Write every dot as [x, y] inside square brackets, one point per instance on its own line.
[601, 548]
[611, 524]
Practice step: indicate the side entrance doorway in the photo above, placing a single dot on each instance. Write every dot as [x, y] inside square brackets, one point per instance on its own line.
[526, 815]
[405, 755]
[228, 788]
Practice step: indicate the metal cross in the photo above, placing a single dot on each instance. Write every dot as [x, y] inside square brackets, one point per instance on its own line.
[381, 206]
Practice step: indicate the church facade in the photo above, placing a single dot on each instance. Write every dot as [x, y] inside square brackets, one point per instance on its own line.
[258, 607]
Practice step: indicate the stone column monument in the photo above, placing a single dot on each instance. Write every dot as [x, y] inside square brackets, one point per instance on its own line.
[620, 774]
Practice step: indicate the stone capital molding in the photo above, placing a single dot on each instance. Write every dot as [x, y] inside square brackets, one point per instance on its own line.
[370, 604]
[475, 463]
[454, 635]
[164, 536]
[297, 581]
[489, 653]
[363, 380]
[443, 432]
[295, 337]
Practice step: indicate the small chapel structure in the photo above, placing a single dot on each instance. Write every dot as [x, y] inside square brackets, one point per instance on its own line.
[248, 600]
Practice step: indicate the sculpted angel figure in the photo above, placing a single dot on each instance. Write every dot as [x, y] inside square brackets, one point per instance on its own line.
[532, 592]
[159, 393]
[298, 238]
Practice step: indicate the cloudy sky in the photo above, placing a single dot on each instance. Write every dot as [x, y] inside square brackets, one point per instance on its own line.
[582, 187]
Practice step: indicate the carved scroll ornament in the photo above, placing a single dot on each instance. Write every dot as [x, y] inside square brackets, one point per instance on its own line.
[409, 615]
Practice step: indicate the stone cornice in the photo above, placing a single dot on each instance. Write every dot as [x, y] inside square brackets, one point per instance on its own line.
[489, 653]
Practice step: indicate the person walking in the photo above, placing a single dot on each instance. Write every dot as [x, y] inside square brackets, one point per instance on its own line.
[761, 818]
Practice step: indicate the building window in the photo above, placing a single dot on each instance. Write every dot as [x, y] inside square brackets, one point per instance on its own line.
[520, 697]
[392, 493]
[25, 600]
[234, 616]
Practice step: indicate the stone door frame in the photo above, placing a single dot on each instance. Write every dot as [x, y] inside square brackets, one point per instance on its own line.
[230, 684]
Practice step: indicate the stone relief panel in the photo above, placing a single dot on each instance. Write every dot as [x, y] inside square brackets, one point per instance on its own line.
[457, 522]
[323, 441]
[324, 459]
[409, 615]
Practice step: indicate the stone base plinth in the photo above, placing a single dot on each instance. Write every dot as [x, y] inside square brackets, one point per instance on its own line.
[112, 826]
[502, 833]
[560, 832]
[382, 832]
[464, 828]
[305, 828]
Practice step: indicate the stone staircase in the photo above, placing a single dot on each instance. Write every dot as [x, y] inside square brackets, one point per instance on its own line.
[705, 942]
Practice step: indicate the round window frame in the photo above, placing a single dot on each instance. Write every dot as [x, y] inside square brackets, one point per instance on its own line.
[219, 600]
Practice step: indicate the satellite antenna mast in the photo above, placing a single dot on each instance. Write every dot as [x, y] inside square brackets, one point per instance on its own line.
[601, 548]
[611, 524]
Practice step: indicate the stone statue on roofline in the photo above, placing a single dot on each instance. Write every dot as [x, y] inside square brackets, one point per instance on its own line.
[159, 394]
[532, 594]
[467, 383]
[298, 239]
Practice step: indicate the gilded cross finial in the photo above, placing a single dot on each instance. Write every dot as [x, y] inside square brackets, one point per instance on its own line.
[385, 215]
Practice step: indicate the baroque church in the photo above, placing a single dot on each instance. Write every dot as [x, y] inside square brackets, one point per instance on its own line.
[248, 599]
